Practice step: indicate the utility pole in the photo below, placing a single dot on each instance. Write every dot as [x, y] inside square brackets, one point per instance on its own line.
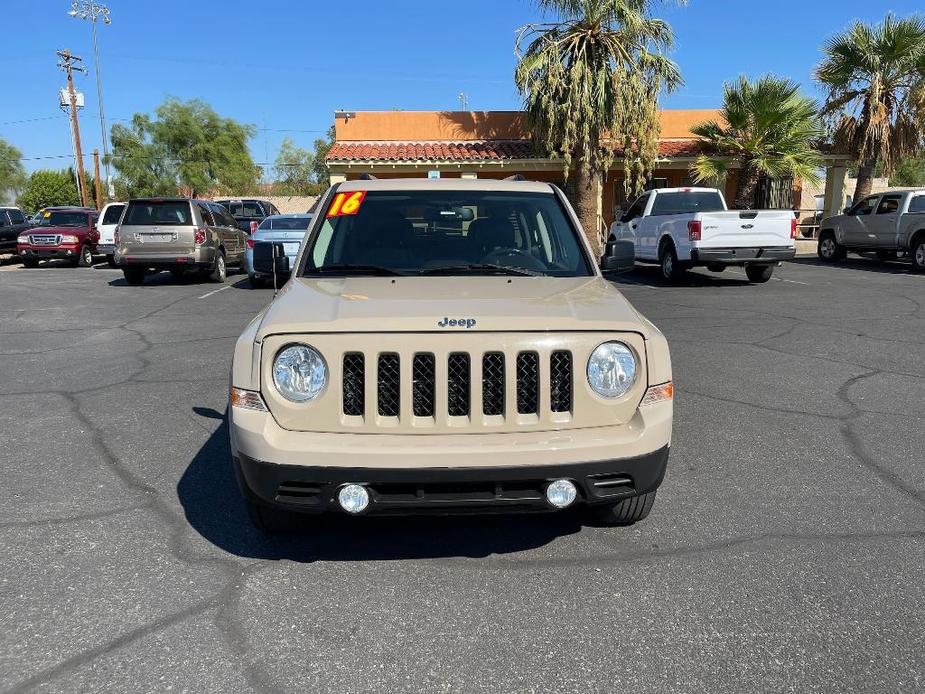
[96, 177]
[67, 64]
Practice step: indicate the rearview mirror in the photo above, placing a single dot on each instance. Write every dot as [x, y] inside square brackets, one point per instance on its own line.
[619, 256]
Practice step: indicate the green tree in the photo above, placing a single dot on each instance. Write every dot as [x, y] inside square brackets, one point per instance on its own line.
[320, 174]
[12, 172]
[909, 173]
[186, 147]
[590, 82]
[47, 187]
[875, 106]
[768, 129]
[294, 169]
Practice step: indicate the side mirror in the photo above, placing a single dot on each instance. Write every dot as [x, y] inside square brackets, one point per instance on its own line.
[620, 256]
[281, 265]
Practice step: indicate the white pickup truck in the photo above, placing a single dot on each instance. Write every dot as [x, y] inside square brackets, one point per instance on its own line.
[682, 227]
[884, 224]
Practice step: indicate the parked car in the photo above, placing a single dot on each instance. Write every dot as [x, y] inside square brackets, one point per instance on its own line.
[106, 225]
[179, 235]
[680, 228]
[68, 233]
[249, 213]
[12, 222]
[885, 224]
[466, 326]
[287, 229]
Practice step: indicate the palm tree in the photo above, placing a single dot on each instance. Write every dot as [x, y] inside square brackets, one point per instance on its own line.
[875, 107]
[768, 129]
[590, 82]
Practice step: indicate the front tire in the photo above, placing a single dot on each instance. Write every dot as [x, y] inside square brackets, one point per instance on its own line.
[134, 275]
[668, 263]
[759, 274]
[829, 249]
[917, 253]
[85, 258]
[625, 512]
[219, 269]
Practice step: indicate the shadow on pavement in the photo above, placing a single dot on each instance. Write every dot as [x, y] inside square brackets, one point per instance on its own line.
[902, 266]
[213, 506]
[651, 277]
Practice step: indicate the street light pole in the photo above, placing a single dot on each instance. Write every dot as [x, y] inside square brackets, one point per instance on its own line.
[91, 11]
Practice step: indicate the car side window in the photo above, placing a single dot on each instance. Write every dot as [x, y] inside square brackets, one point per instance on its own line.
[16, 217]
[863, 208]
[206, 215]
[636, 209]
[222, 218]
[888, 204]
[917, 204]
[3, 219]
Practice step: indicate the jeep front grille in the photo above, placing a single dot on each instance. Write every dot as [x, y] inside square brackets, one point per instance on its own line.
[528, 383]
[493, 384]
[458, 384]
[560, 381]
[354, 389]
[389, 385]
[423, 388]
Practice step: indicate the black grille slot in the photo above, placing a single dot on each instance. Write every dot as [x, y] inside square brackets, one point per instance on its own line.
[457, 395]
[493, 383]
[528, 383]
[560, 381]
[354, 384]
[422, 389]
[389, 385]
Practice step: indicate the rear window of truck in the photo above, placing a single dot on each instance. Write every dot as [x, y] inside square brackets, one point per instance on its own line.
[113, 212]
[158, 213]
[684, 203]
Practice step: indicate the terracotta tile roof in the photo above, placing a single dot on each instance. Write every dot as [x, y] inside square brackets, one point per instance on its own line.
[489, 150]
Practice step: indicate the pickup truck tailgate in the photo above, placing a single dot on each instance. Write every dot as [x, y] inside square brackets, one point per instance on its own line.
[745, 229]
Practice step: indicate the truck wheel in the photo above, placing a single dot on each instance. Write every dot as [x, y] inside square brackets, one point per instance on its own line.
[271, 521]
[219, 270]
[85, 258]
[828, 249]
[918, 254]
[668, 261]
[625, 512]
[715, 267]
[134, 275]
[759, 274]
[886, 255]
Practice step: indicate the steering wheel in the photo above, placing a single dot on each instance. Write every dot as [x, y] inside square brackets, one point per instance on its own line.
[520, 259]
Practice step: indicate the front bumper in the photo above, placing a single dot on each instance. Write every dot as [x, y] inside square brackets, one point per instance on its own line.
[69, 251]
[741, 256]
[404, 491]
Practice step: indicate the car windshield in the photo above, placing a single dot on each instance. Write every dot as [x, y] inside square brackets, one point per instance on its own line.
[53, 218]
[286, 223]
[687, 201]
[247, 208]
[445, 232]
[158, 213]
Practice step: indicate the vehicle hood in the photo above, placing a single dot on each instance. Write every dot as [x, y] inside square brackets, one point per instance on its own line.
[422, 304]
[77, 231]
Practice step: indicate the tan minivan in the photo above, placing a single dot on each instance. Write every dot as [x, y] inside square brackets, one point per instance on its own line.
[179, 235]
[448, 346]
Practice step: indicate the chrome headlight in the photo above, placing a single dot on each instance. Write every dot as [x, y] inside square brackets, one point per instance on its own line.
[611, 369]
[299, 373]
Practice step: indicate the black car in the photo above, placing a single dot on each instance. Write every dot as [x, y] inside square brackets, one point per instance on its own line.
[12, 222]
[249, 212]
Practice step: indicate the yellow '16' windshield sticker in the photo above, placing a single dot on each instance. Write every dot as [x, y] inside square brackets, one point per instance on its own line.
[346, 203]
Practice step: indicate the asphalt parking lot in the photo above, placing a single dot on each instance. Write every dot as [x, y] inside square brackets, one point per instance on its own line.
[785, 553]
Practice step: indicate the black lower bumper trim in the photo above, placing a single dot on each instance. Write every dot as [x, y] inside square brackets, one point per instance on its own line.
[448, 490]
[741, 256]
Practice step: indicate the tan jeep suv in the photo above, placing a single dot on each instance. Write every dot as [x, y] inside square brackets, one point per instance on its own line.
[448, 346]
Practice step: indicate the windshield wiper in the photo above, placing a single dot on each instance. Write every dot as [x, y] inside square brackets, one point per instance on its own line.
[348, 269]
[480, 267]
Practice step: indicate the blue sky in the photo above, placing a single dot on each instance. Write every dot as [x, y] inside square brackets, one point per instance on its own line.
[286, 66]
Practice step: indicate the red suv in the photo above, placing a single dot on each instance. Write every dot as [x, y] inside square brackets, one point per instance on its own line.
[63, 233]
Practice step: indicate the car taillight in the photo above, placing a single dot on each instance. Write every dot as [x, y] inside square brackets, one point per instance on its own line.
[200, 236]
[693, 230]
[253, 227]
[115, 237]
[793, 228]
[250, 243]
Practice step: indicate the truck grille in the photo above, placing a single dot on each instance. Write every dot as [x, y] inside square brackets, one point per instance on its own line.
[45, 239]
[458, 384]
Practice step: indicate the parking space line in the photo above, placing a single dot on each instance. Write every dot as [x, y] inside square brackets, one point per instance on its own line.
[216, 291]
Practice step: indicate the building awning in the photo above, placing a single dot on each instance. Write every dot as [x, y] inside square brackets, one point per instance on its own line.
[455, 152]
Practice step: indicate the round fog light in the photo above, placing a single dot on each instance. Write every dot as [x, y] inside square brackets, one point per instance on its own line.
[561, 493]
[353, 498]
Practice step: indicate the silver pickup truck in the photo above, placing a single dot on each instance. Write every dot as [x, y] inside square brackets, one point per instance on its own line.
[885, 224]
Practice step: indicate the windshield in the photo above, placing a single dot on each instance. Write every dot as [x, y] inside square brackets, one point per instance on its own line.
[286, 223]
[163, 213]
[63, 219]
[446, 232]
[247, 208]
[691, 201]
